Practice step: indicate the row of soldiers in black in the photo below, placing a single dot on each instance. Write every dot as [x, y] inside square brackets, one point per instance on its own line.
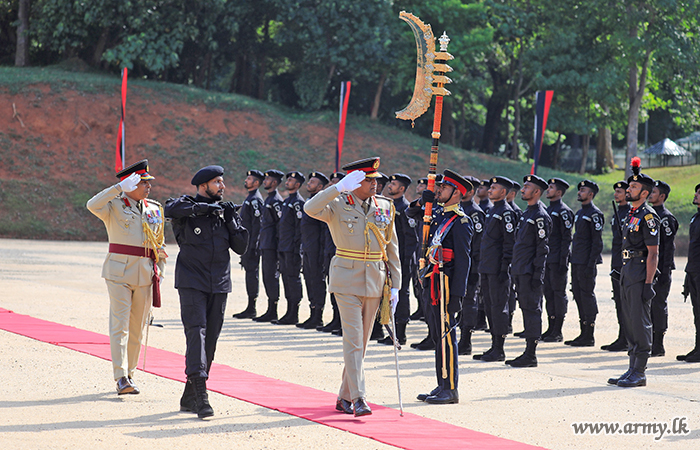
[513, 254]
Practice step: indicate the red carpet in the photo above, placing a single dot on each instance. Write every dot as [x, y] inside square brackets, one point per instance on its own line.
[384, 425]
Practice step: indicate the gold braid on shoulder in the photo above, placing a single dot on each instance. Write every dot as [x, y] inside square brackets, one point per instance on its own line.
[154, 238]
[384, 240]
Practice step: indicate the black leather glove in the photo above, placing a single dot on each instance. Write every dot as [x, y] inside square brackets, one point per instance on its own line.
[427, 197]
[615, 274]
[648, 292]
[664, 277]
[230, 209]
[536, 282]
[204, 209]
[503, 276]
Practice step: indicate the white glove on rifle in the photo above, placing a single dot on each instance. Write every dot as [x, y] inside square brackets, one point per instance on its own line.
[394, 299]
[351, 181]
[129, 183]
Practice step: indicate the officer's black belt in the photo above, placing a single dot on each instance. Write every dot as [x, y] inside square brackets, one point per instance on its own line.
[629, 254]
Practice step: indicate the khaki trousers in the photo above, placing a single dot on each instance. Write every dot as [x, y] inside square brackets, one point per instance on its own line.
[357, 315]
[129, 307]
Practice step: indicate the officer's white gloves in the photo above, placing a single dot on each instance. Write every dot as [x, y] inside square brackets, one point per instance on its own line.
[129, 183]
[394, 299]
[351, 181]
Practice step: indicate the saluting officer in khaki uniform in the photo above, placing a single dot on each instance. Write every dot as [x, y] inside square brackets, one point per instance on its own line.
[136, 257]
[362, 227]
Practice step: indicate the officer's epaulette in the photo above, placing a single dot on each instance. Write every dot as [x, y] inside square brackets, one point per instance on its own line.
[381, 197]
[460, 212]
[150, 200]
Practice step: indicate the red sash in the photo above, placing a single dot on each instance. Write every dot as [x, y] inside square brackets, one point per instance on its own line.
[142, 252]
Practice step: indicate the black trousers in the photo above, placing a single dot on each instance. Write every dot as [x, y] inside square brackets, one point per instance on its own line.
[637, 312]
[250, 262]
[403, 307]
[496, 295]
[202, 317]
[433, 318]
[469, 303]
[271, 274]
[617, 298]
[659, 307]
[314, 279]
[692, 281]
[530, 301]
[583, 287]
[554, 290]
[417, 285]
[290, 268]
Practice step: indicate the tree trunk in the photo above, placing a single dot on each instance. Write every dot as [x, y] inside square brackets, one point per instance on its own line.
[514, 149]
[100, 47]
[557, 149]
[378, 96]
[22, 49]
[584, 153]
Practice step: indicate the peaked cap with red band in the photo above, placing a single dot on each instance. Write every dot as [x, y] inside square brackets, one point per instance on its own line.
[140, 168]
[368, 165]
[457, 181]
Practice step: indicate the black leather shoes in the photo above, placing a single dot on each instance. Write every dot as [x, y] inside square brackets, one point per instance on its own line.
[435, 391]
[617, 346]
[636, 378]
[621, 377]
[361, 407]
[425, 344]
[444, 397]
[124, 386]
[344, 406]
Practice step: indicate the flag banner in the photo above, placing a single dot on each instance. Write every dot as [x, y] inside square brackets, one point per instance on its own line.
[119, 158]
[543, 100]
[344, 97]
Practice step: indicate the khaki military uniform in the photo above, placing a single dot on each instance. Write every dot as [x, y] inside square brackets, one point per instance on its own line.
[357, 271]
[128, 278]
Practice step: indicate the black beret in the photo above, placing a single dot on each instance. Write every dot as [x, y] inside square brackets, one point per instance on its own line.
[561, 184]
[503, 181]
[486, 183]
[296, 175]
[622, 184]
[422, 181]
[589, 184]
[534, 179]
[401, 177]
[207, 173]
[473, 180]
[642, 178]
[457, 181]
[324, 179]
[257, 174]
[338, 175]
[516, 186]
[140, 168]
[275, 174]
[664, 188]
[382, 178]
[697, 186]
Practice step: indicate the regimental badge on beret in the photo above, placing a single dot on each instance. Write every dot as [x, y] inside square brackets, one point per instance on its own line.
[296, 175]
[257, 174]
[621, 185]
[561, 184]
[273, 173]
[503, 181]
[537, 181]
[320, 176]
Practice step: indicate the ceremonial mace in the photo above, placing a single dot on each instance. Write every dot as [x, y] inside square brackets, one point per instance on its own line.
[429, 61]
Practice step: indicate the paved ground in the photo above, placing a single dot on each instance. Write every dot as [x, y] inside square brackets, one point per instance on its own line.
[57, 398]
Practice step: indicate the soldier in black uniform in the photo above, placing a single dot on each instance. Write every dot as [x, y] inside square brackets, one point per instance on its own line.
[510, 199]
[528, 266]
[415, 280]
[482, 198]
[312, 243]
[620, 197]
[667, 248]
[640, 246]
[557, 267]
[268, 244]
[407, 233]
[251, 219]
[692, 278]
[289, 247]
[205, 229]
[382, 180]
[586, 254]
[469, 304]
[449, 242]
[334, 326]
[496, 254]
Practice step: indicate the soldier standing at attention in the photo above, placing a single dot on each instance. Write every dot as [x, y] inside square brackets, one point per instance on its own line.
[692, 278]
[620, 197]
[469, 304]
[334, 325]
[407, 234]
[482, 195]
[289, 247]
[557, 268]
[449, 243]
[527, 269]
[667, 247]
[421, 184]
[510, 198]
[134, 265]
[640, 247]
[496, 255]
[205, 229]
[312, 235]
[586, 254]
[268, 244]
[251, 219]
[367, 258]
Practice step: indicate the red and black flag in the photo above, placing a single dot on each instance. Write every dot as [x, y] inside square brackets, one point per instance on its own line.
[344, 96]
[120, 158]
[543, 100]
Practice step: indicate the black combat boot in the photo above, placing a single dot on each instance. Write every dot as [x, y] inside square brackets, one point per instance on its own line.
[550, 327]
[425, 344]
[581, 325]
[400, 336]
[657, 345]
[621, 377]
[498, 354]
[270, 314]
[188, 401]
[314, 321]
[464, 346]
[692, 354]
[291, 317]
[587, 339]
[334, 324]
[377, 332]
[555, 335]
[619, 345]
[249, 312]
[203, 408]
[528, 358]
[478, 356]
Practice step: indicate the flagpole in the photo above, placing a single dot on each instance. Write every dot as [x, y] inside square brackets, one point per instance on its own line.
[120, 153]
